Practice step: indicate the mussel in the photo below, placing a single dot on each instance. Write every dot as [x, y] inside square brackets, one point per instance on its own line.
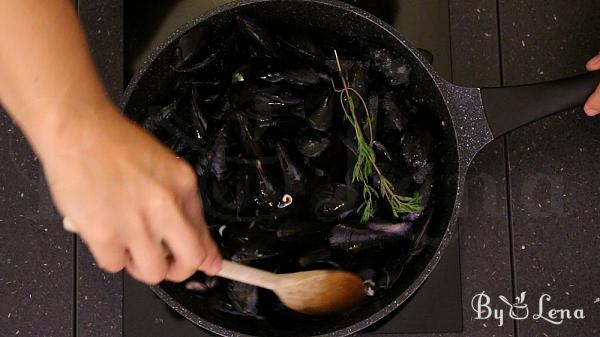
[218, 154]
[244, 297]
[318, 258]
[335, 202]
[258, 36]
[249, 140]
[157, 115]
[301, 46]
[198, 117]
[301, 76]
[322, 117]
[268, 195]
[294, 177]
[359, 77]
[375, 238]
[311, 143]
[396, 115]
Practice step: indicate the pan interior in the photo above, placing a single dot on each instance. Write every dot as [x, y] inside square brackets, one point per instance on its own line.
[157, 82]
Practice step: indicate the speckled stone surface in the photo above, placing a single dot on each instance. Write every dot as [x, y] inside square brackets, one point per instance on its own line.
[100, 295]
[554, 166]
[36, 266]
[483, 223]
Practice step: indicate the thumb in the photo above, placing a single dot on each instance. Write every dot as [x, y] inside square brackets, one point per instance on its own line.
[592, 106]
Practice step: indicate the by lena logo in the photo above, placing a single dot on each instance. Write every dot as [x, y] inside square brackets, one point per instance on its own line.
[519, 310]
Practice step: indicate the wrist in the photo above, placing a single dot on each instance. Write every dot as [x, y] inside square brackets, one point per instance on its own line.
[61, 128]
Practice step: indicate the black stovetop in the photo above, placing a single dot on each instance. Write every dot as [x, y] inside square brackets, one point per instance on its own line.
[436, 307]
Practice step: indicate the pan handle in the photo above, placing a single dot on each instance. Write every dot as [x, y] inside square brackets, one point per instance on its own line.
[511, 107]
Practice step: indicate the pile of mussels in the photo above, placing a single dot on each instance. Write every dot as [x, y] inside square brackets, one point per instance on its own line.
[257, 113]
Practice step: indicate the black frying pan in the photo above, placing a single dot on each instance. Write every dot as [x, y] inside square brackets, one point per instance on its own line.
[470, 119]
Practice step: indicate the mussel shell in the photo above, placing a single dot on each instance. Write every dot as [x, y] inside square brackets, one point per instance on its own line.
[272, 98]
[306, 76]
[360, 240]
[268, 195]
[232, 195]
[382, 151]
[335, 202]
[322, 118]
[293, 174]
[398, 175]
[359, 77]
[259, 37]
[244, 297]
[311, 143]
[157, 115]
[198, 117]
[218, 154]
[301, 46]
[319, 258]
[249, 138]
[396, 114]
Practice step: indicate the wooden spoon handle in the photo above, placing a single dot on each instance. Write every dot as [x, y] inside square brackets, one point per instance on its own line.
[256, 277]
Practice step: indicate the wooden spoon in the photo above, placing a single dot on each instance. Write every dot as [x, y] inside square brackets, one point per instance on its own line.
[317, 292]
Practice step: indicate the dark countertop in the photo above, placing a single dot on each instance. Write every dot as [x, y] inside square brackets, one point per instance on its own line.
[530, 221]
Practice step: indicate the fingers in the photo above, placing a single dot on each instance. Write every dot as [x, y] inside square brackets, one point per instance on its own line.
[594, 63]
[592, 106]
[148, 262]
[192, 207]
[186, 234]
[110, 257]
[105, 245]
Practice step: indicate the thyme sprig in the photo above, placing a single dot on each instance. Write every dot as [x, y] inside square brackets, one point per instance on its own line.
[366, 161]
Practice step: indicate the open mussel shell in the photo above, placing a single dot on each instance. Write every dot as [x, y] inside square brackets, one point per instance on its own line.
[335, 202]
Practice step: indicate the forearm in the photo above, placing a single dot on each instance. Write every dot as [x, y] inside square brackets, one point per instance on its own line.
[47, 77]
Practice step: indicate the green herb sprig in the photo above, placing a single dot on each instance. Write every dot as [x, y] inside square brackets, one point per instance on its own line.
[365, 158]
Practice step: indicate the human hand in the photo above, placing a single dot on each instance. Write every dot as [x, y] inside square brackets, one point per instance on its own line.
[128, 195]
[592, 106]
